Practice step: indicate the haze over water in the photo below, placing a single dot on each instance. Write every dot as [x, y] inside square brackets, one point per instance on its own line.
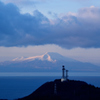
[49, 74]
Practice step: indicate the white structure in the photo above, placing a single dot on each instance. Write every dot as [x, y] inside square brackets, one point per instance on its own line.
[64, 78]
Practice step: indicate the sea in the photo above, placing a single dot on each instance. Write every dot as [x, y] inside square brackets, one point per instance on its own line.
[18, 85]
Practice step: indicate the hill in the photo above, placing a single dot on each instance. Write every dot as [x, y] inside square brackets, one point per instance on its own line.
[69, 90]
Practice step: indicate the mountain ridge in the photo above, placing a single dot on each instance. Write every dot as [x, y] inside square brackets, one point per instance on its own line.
[50, 56]
[48, 62]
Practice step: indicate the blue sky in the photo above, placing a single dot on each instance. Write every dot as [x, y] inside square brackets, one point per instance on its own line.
[69, 27]
[53, 6]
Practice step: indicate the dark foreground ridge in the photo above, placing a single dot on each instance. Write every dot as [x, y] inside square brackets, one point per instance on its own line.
[68, 90]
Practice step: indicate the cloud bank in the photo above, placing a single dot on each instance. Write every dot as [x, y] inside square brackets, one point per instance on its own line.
[69, 31]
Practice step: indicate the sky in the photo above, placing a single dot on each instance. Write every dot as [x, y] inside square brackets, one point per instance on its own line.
[34, 27]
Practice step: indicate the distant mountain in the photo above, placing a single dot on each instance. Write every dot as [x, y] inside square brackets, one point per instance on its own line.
[50, 56]
[48, 62]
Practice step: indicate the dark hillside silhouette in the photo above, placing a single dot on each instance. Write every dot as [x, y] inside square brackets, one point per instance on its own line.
[65, 89]
[68, 90]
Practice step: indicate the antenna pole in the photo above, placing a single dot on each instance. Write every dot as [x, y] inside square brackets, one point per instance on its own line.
[66, 74]
[63, 69]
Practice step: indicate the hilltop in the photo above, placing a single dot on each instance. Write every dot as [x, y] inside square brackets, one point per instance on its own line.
[68, 90]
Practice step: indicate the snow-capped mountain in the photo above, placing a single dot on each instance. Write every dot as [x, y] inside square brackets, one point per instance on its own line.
[50, 56]
[43, 63]
[46, 56]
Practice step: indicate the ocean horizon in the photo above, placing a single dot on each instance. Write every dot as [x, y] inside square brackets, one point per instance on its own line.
[14, 87]
[21, 85]
[49, 73]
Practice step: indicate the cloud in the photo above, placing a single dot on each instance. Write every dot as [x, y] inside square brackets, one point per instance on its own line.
[69, 31]
[19, 29]
[81, 29]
